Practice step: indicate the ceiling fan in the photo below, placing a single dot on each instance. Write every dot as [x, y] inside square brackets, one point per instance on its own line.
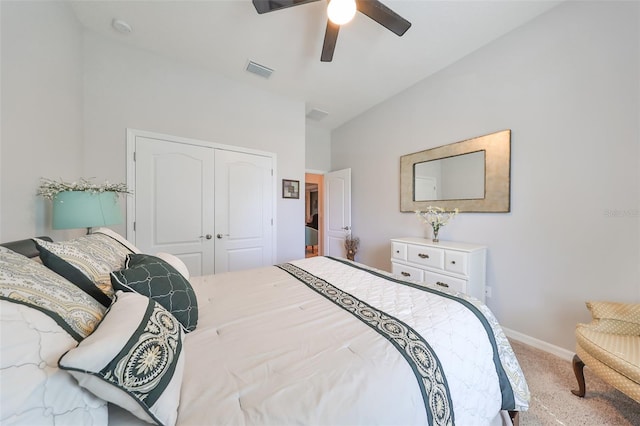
[374, 9]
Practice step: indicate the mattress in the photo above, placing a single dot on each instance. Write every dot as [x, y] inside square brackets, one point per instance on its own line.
[329, 342]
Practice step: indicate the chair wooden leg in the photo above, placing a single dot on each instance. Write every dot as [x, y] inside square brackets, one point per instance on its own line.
[515, 417]
[578, 370]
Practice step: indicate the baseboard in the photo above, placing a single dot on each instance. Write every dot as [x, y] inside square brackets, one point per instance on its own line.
[539, 344]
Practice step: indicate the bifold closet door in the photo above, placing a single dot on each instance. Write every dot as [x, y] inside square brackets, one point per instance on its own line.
[211, 207]
[174, 202]
[244, 210]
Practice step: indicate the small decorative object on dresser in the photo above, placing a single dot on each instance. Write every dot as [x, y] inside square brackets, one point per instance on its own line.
[437, 217]
[450, 265]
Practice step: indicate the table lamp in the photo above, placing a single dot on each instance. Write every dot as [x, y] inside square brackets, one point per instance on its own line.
[85, 209]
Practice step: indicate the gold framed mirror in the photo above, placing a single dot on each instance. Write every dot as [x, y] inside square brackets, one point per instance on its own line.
[473, 176]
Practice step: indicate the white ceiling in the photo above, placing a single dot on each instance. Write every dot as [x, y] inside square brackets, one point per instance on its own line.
[370, 63]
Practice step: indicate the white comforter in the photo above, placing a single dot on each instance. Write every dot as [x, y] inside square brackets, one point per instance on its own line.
[269, 350]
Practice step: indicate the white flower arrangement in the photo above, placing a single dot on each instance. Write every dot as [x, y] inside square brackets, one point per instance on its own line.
[437, 217]
[50, 188]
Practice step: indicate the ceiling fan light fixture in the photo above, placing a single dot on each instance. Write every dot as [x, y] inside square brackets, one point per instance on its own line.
[341, 11]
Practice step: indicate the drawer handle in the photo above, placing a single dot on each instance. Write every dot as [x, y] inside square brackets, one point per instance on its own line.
[441, 284]
[397, 251]
[423, 256]
[453, 262]
[406, 274]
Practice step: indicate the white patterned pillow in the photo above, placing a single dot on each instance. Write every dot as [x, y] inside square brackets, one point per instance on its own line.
[30, 283]
[176, 262]
[34, 390]
[42, 316]
[134, 359]
[119, 238]
[86, 261]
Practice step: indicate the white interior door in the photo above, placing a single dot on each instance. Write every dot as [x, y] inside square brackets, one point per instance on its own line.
[244, 211]
[337, 186]
[174, 208]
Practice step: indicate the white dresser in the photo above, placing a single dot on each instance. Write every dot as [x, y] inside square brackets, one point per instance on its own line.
[448, 264]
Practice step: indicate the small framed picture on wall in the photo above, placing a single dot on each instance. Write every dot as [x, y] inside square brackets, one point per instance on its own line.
[290, 188]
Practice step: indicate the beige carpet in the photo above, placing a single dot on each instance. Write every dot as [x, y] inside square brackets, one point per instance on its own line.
[550, 381]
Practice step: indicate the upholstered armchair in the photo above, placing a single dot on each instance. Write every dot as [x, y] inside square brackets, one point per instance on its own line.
[610, 346]
[310, 237]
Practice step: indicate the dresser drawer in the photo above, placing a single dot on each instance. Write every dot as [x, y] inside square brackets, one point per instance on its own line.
[398, 251]
[407, 272]
[456, 261]
[449, 265]
[445, 282]
[426, 256]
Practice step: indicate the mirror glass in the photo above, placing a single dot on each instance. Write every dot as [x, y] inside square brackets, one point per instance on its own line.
[472, 176]
[451, 178]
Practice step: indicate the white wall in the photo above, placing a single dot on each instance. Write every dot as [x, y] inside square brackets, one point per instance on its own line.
[68, 97]
[41, 117]
[567, 86]
[318, 148]
[131, 88]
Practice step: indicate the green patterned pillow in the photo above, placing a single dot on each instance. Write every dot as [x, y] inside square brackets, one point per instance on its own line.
[134, 359]
[155, 278]
[30, 283]
[85, 261]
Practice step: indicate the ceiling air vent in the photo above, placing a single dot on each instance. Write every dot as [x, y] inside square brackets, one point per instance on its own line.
[317, 114]
[258, 69]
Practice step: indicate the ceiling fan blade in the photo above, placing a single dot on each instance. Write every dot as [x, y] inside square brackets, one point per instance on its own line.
[383, 15]
[264, 6]
[330, 38]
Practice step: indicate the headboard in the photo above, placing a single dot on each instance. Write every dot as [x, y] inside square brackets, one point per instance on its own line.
[25, 247]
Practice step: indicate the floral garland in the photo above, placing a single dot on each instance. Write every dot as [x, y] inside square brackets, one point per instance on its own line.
[437, 217]
[50, 188]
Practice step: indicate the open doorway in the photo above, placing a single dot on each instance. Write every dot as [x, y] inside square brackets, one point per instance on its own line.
[314, 209]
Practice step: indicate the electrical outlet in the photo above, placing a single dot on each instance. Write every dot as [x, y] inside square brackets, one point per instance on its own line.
[487, 291]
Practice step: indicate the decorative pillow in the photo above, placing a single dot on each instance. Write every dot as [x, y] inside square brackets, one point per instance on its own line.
[119, 238]
[134, 359]
[34, 390]
[29, 283]
[74, 275]
[176, 262]
[86, 260]
[155, 278]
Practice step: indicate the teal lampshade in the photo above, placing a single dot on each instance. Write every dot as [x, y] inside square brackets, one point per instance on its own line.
[85, 209]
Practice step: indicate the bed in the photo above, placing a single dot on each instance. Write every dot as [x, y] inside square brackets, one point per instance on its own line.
[322, 341]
